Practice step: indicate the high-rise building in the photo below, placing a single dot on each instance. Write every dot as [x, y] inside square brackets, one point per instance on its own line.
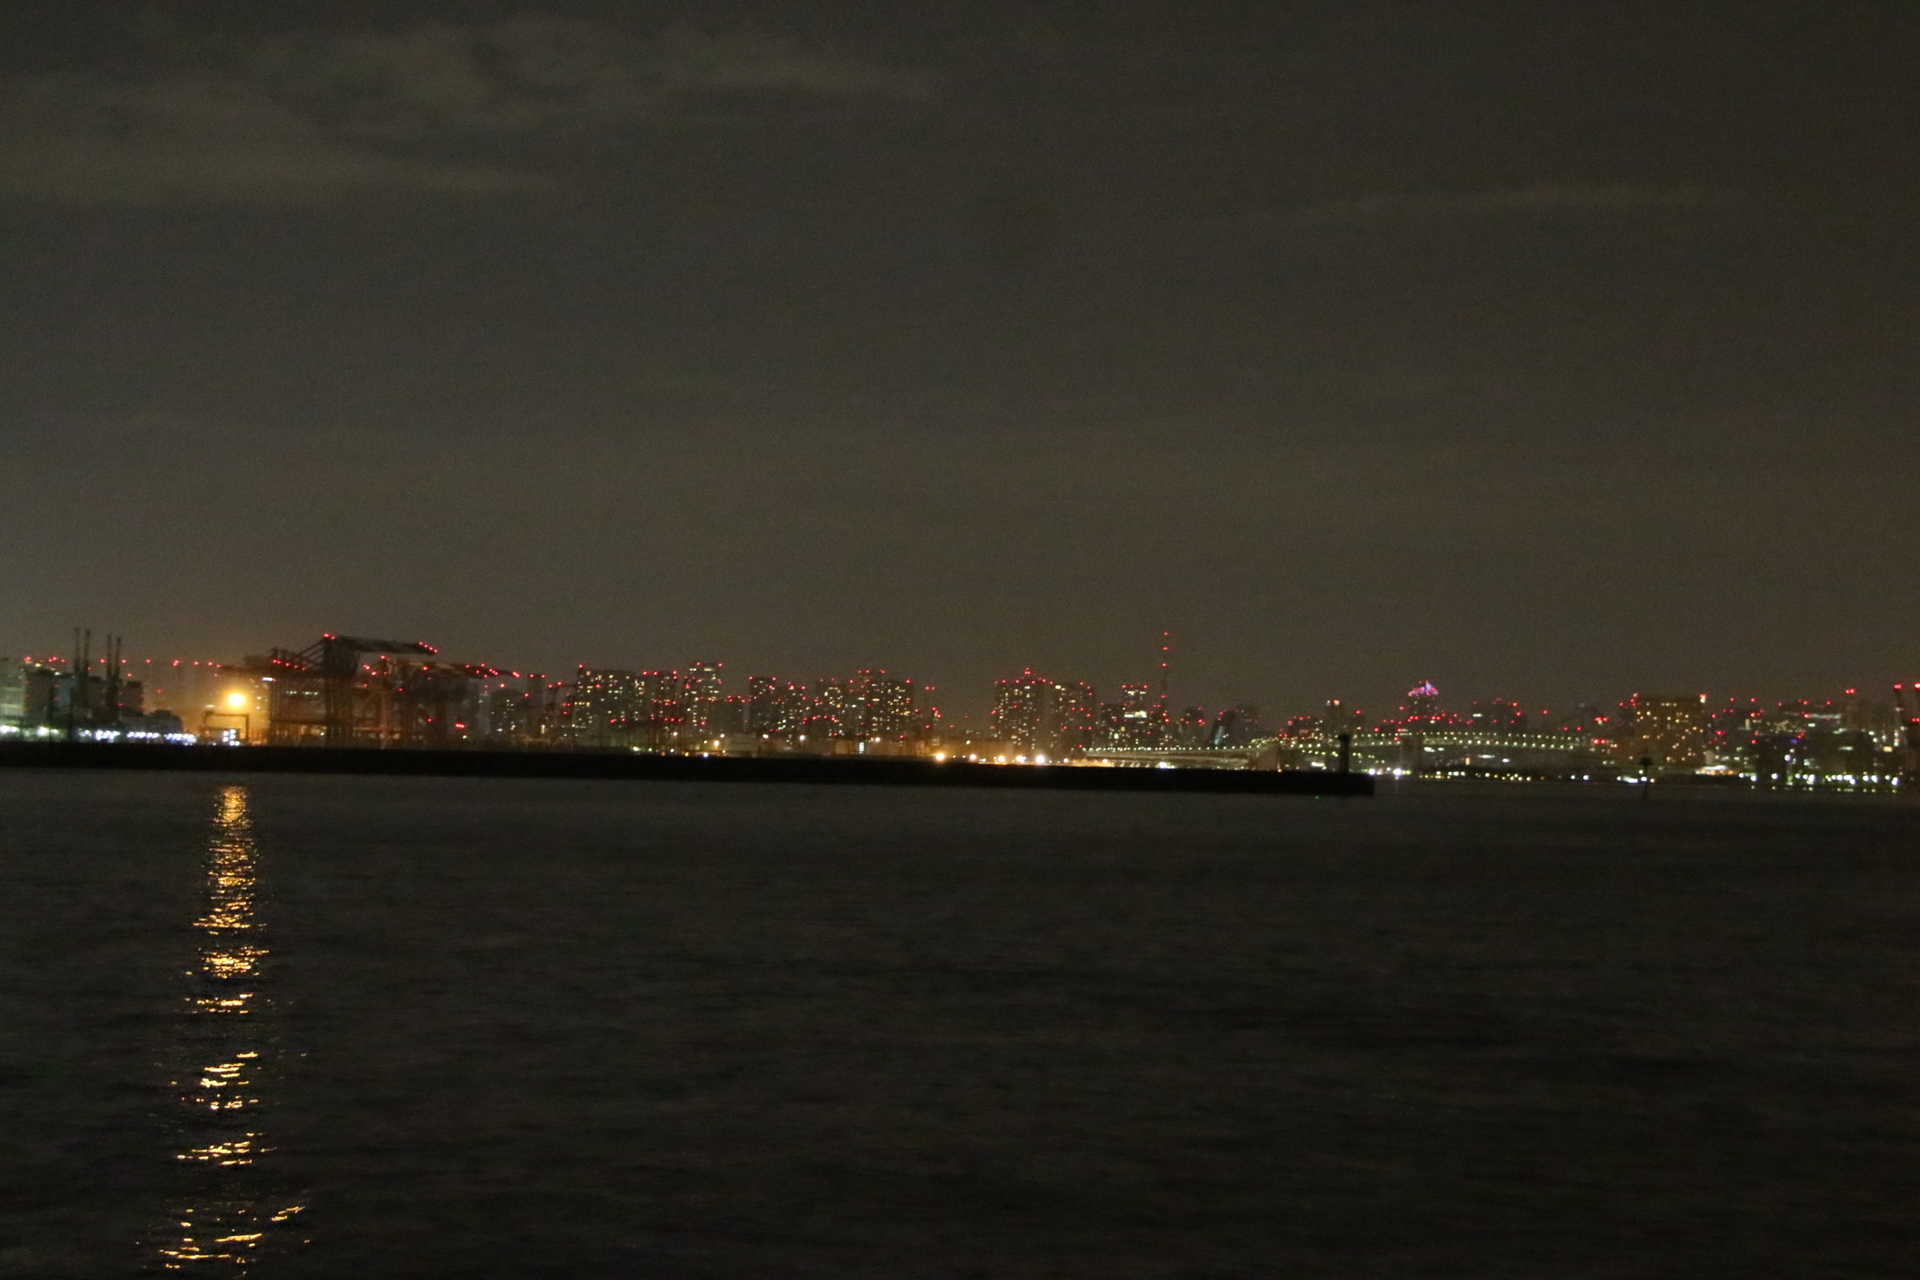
[1238, 727]
[1906, 719]
[606, 708]
[1142, 717]
[1875, 717]
[1045, 717]
[13, 693]
[776, 708]
[832, 712]
[1021, 710]
[1667, 734]
[1193, 729]
[1078, 711]
[1340, 718]
[1499, 713]
[728, 716]
[881, 706]
[512, 710]
[701, 689]
[927, 720]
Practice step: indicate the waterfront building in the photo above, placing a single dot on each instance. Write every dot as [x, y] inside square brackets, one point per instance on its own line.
[1338, 718]
[1498, 713]
[775, 708]
[1142, 716]
[1042, 717]
[1423, 704]
[1238, 727]
[701, 689]
[606, 708]
[665, 719]
[880, 706]
[726, 718]
[13, 693]
[1665, 734]
[1193, 730]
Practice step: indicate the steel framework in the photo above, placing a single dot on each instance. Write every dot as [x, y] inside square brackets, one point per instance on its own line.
[323, 695]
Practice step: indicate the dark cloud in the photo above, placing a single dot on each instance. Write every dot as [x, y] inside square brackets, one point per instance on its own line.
[436, 107]
[540, 77]
[1538, 198]
[201, 139]
[1554, 348]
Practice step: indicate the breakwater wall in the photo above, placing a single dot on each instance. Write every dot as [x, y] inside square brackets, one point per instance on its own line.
[614, 765]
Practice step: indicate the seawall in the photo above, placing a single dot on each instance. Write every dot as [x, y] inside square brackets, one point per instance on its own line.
[839, 770]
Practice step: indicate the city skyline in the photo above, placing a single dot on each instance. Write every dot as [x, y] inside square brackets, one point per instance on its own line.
[974, 702]
[345, 691]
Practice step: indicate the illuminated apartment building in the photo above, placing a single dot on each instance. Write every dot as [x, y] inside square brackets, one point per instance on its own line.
[1043, 717]
[1667, 734]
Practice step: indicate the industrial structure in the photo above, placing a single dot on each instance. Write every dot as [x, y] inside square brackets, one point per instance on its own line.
[329, 695]
[85, 697]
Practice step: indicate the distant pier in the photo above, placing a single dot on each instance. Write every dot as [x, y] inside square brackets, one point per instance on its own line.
[637, 767]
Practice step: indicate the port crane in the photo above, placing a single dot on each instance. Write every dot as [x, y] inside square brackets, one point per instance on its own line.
[319, 696]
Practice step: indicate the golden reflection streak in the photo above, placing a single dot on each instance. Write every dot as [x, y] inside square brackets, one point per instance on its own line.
[225, 1231]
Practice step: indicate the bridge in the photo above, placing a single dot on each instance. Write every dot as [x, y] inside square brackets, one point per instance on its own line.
[1258, 755]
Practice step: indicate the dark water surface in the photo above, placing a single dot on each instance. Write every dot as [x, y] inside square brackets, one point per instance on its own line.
[334, 1027]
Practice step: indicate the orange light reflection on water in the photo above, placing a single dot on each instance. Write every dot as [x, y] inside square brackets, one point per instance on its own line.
[228, 1223]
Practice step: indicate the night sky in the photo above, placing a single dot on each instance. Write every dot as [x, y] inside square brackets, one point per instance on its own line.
[1541, 350]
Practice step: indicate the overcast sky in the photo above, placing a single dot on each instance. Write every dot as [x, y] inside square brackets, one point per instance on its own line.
[1541, 350]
